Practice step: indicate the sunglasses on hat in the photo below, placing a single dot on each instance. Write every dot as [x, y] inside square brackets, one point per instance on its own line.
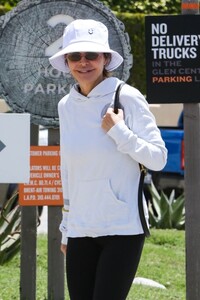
[76, 56]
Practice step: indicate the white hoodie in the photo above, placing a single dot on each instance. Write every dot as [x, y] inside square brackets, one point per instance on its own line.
[100, 172]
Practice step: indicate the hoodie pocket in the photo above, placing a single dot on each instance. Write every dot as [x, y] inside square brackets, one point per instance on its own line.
[95, 205]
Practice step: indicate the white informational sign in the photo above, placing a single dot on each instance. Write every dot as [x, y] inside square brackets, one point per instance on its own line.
[14, 148]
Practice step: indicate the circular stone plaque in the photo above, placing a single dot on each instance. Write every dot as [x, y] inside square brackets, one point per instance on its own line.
[29, 35]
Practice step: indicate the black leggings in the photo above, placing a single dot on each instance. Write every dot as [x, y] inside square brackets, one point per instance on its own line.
[102, 268]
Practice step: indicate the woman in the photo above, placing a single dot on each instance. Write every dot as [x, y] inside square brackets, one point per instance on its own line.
[100, 152]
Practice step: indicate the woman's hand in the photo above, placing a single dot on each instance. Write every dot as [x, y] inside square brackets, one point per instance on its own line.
[63, 249]
[110, 119]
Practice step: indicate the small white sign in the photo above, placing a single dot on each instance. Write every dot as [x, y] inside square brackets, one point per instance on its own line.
[14, 148]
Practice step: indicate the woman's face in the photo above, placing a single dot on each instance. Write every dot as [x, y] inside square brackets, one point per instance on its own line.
[86, 68]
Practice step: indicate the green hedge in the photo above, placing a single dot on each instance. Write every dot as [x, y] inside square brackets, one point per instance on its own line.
[145, 6]
[3, 10]
[5, 7]
[135, 27]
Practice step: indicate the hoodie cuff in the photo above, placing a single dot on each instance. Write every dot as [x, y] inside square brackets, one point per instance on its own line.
[64, 239]
[120, 133]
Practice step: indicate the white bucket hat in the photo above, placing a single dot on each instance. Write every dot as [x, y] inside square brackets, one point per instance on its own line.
[85, 36]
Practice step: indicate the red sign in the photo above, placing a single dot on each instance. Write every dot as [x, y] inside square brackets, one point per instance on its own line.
[44, 187]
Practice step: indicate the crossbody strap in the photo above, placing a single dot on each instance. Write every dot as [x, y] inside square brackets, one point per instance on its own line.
[116, 103]
[143, 170]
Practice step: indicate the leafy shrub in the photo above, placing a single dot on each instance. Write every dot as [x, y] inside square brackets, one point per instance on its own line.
[145, 6]
[166, 212]
[135, 27]
[10, 228]
[133, 6]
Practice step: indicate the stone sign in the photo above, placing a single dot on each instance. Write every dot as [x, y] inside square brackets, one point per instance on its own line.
[29, 35]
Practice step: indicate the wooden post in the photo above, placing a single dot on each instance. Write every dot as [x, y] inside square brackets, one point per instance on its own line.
[192, 184]
[192, 203]
[28, 242]
[55, 257]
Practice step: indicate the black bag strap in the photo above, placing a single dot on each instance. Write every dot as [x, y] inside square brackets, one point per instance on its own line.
[116, 103]
[143, 170]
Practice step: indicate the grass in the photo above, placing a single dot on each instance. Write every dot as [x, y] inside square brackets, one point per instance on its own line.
[163, 260]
